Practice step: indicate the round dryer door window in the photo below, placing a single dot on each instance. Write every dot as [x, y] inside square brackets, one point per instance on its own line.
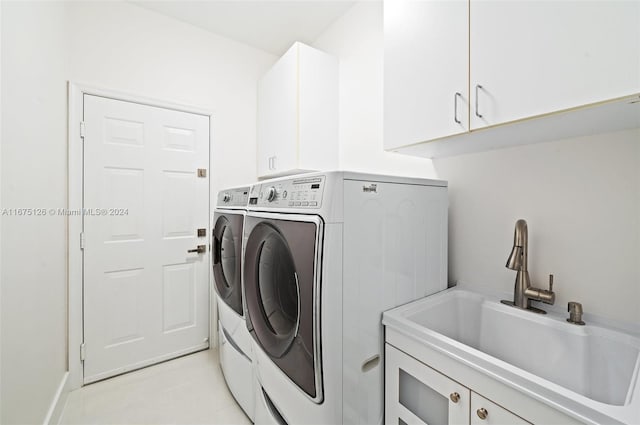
[278, 285]
[278, 294]
[226, 254]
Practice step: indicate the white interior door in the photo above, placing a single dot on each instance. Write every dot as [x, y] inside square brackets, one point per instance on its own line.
[146, 298]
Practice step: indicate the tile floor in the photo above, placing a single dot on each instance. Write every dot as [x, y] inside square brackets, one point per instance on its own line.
[187, 390]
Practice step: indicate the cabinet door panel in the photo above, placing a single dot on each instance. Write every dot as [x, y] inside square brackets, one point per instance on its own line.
[426, 47]
[277, 116]
[318, 109]
[536, 57]
[415, 393]
[493, 413]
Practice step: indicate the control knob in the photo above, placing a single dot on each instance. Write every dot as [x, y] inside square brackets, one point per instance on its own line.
[226, 197]
[271, 194]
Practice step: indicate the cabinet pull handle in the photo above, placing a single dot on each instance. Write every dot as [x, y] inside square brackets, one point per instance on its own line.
[478, 114]
[455, 397]
[482, 413]
[455, 108]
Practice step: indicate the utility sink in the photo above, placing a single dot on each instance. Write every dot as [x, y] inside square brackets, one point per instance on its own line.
[595, 365]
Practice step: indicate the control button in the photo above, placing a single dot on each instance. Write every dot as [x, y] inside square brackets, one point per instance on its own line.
[305, 204]
[313, 204]
[284, 194]
[297, 204]
[290, 203]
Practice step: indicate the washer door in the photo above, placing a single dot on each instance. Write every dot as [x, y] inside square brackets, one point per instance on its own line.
[226, 253]
[281, 259]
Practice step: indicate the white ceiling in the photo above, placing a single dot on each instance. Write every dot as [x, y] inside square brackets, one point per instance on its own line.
[269, 25]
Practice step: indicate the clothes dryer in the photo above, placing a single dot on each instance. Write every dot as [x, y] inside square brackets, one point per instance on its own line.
[324, 255]
[234, 342]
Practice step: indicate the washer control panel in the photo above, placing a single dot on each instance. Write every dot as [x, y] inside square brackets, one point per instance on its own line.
[302, 192]
[237, 197]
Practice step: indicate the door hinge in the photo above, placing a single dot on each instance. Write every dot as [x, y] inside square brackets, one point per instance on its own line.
[81, 240]
[202, 172]
[83, 352]
[82, 129]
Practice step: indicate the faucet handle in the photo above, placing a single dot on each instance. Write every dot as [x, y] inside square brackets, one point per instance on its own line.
[575, 313]
[550, 283]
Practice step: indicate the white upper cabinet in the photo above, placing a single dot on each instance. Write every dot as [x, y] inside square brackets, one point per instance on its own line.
[298, 113]
[426, 72]
[510, 60]
[530, 58]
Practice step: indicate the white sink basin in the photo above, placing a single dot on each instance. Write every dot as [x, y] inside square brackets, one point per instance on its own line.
[597, 363]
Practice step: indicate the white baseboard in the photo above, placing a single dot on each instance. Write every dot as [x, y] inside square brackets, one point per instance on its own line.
[58, 402]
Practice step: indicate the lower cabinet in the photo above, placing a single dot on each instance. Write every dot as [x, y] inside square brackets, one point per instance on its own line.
[418, 394]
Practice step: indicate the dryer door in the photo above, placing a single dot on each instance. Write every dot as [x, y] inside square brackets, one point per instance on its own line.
[281, 271]
[226, 253]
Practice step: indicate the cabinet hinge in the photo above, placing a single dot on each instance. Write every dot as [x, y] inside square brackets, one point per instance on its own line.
[81, 240]
[82, 129]
[83, 352]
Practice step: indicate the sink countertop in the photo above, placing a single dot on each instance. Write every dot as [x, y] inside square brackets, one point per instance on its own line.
[585, 409]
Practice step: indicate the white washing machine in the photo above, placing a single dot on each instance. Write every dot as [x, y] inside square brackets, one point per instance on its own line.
[234, 342]
[324, 255]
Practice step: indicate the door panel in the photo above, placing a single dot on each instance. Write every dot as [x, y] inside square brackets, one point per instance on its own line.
[178, 297]
[126, 187]
[179, 200]
[145, 298]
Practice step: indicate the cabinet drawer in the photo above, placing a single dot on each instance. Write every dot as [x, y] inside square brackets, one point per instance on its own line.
[486, 412]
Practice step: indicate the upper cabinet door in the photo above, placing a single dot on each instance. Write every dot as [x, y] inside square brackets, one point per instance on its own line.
[298, 113]
[426, 70]
[535, 57]
[277, 129]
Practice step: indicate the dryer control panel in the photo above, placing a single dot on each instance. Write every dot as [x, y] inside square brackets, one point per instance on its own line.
[301, 192]
[237, 197]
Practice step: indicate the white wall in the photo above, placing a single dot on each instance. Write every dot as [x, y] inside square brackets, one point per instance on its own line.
[356, 40]
[34, 158]
[580, 197]
[112, 45]
[121, 46]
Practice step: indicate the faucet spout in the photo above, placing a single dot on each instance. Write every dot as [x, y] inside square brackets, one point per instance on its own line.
[523, 292]
[518, 258]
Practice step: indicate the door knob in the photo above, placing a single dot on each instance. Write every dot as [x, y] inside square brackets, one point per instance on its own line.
[455, 397]
[200, 249]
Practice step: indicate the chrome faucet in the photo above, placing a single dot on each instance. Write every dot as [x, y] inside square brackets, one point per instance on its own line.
[523, 292]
